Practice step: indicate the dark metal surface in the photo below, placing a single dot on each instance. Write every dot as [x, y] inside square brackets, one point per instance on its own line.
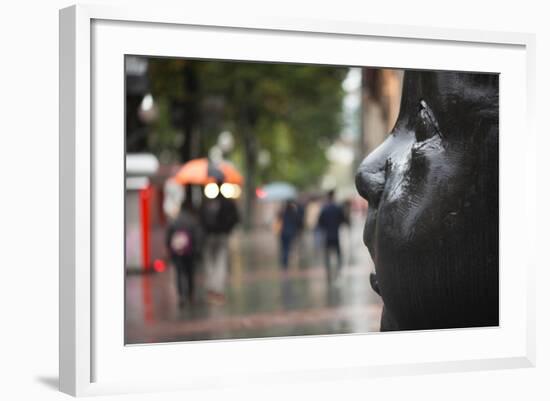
[432, 188]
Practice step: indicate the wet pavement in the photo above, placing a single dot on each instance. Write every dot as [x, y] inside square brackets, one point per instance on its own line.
[262, 300]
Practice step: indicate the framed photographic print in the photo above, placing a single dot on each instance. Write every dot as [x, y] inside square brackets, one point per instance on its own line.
[296, 200]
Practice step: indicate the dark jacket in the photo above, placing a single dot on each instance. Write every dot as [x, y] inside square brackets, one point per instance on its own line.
[219, 215]
[290, 220]
[330, 219]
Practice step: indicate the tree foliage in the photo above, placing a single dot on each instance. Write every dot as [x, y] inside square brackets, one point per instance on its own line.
[291, 111]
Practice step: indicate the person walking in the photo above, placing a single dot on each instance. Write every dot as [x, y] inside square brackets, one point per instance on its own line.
[218, 216]
[331, 217]
[290, 224]
[183, 241]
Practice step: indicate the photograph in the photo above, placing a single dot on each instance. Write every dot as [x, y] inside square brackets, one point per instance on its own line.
[269, 199]
[280, 200]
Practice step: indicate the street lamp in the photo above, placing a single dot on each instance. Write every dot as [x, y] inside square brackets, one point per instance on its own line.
[211, 190]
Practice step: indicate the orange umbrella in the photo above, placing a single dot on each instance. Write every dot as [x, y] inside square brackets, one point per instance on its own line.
[203, 171]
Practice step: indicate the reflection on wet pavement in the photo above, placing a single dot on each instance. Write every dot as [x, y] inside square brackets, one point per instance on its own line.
[262, 300]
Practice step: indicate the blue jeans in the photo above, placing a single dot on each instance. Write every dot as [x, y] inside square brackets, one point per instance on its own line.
[286, 242]
[332, 246]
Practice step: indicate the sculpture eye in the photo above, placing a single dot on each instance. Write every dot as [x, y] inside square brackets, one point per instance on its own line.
[426, 125]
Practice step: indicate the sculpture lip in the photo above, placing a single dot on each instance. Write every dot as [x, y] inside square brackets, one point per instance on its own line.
[372, 253]
[369, 238]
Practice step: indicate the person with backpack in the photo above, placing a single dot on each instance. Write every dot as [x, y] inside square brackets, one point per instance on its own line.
[183, 241]
[218, 217]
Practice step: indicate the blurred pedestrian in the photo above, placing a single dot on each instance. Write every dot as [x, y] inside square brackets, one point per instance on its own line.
[290, 224]
[183, 241]
[332, 216]
[218, 216]
[313, 210]
[300, 235]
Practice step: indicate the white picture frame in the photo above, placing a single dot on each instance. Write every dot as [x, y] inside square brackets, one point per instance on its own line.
[93, 360]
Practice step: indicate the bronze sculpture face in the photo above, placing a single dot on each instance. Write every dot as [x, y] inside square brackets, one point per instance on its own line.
[432, 189]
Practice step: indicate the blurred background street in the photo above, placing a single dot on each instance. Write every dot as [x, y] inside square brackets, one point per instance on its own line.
[241, 214]
[262, 301]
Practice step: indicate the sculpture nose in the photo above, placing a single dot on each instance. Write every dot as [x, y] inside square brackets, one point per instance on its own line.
[371, 174]
[370, 181]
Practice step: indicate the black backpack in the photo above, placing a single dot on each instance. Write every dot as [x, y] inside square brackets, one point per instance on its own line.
[219, 215]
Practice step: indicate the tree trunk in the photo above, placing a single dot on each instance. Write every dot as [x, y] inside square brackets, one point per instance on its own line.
[248, 121]
[189, 112]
